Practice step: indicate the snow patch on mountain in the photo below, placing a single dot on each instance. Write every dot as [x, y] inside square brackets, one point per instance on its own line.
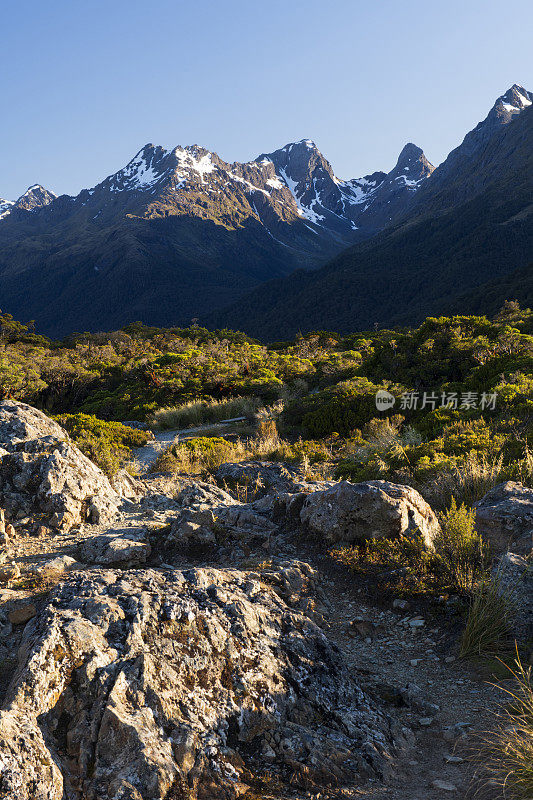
[5, 207]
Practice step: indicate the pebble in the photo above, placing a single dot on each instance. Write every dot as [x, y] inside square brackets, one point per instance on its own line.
[414, 662]
[453, 759]
[449, 659]
[425, 721]
[444, 786]
[416, 623]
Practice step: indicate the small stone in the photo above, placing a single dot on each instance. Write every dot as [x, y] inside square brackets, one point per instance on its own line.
[444, 786]
[414, 662]
[453, 759]
[449, 659]
[20, 616]
[400, 604]
[416, 623]
[425, 721]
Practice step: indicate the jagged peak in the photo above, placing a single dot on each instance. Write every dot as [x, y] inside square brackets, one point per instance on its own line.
[515, 99]
[37, 189]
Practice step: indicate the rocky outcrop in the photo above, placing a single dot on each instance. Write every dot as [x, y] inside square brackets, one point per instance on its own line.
[189, 684]
[504, 517]
[347, 512]
[260, 476]
[211, 516]
[42, 473]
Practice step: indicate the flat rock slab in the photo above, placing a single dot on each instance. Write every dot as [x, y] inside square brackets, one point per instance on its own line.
[127, 546]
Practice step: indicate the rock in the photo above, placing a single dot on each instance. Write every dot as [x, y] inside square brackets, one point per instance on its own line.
[9, 572]
[412, 696]
[513, 573]
[45, 474]
[127, 485]
[425, 722]
[20, 616]
[444, 786]
[504, 517]
[260, 476]
[182, 684]
[399, 604]
[127, 547]
[348, 512]
[211, 516]
[57, 566]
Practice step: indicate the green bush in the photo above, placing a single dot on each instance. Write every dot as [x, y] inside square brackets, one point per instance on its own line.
[108, 444]
[204, 453]
[461, 551]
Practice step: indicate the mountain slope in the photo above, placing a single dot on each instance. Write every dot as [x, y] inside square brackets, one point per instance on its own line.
[178, 233]
[471, 224]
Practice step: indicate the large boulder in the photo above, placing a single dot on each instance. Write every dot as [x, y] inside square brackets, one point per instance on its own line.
[43, 474]
[152, 685]
[351, 512]
[504, 517]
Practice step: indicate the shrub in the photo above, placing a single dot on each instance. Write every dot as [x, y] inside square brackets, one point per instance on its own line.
[403, 565]
[467, 478]
[461, 551]
[108, 444]
[197, 455]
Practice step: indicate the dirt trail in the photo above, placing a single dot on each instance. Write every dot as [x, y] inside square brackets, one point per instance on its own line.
[145, 456]
[392, 656]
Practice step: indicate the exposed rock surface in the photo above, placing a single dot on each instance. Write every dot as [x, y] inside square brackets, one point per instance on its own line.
[126, 547]
[347, 512]
[182, 684]
[261, 475]
[43, 474]
[504, 517]
[211, 515]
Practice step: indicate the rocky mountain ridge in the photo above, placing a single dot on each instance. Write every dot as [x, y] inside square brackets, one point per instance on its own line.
[190, 234]
[469, 225]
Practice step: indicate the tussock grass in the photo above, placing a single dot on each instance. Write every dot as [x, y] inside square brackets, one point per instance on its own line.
[467, 482]
[200, 412]
[506, 756]
[489, 623]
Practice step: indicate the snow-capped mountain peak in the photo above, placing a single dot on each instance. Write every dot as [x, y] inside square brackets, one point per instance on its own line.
[515, 99]
[35, 196]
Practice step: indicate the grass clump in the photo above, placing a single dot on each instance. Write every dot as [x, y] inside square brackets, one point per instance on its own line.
[489, 624]
[506, 757]
[201, 412]
[107, 444]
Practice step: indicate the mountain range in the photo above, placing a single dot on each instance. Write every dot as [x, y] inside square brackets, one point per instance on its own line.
[278, 244]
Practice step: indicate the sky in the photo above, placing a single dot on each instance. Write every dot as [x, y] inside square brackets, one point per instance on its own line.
[86, 84]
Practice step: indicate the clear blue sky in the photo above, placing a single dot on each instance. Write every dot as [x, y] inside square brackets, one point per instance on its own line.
[86, 84]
